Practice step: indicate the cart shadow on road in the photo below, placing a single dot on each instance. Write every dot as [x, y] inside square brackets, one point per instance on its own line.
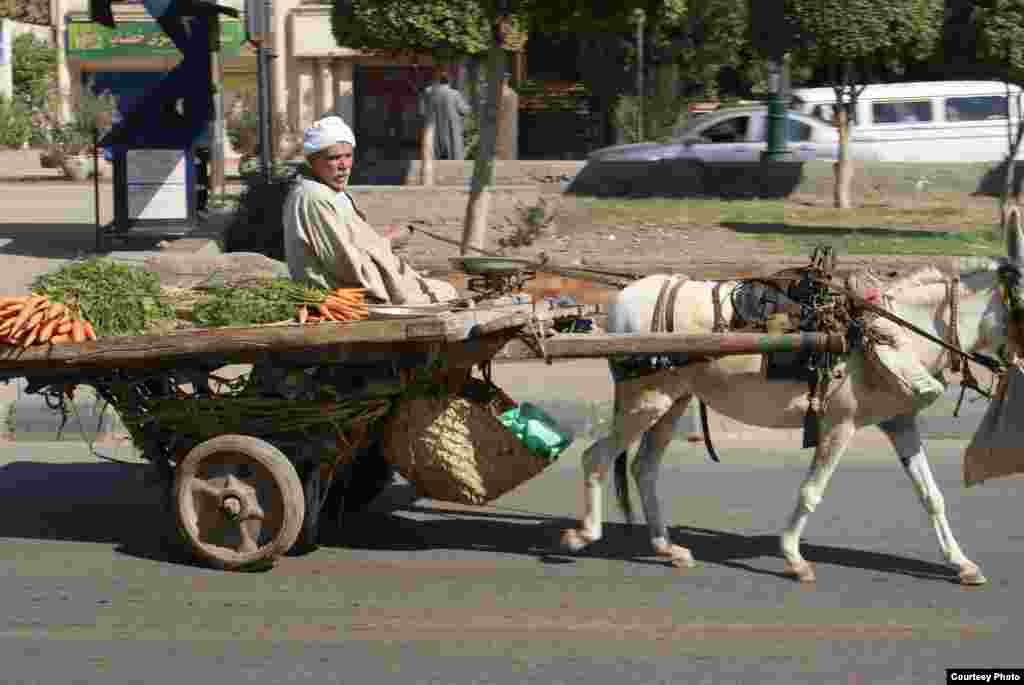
[109, 503]
[61, 240]
[538, 536]
[49, 241]
[103, 503]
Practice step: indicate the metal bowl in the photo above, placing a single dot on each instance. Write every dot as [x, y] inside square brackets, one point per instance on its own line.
[489, 265]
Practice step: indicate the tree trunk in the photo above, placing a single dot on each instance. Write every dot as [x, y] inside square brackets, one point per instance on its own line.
[844, 165]
[474, 229]
[1007, 196]
[427, 152]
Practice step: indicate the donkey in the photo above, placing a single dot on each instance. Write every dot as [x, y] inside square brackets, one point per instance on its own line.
[646, 408]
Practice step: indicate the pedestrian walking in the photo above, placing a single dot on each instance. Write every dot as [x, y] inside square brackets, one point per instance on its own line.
[443, 105]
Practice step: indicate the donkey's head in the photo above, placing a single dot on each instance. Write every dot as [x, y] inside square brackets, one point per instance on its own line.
[1003, 321]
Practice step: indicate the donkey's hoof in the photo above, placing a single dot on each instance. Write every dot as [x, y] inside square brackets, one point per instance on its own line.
[801, 571]
[677, 556]
[970, 574]
[574, 539]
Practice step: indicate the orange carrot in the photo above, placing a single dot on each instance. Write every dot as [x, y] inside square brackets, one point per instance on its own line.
[28, 310]
[47, 330]
[54, 310]
[90, 334]
[326, 313]
[35, 319]
[77, 331]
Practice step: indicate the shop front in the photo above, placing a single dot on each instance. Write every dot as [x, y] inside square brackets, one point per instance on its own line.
[130, 59]
[386, 110]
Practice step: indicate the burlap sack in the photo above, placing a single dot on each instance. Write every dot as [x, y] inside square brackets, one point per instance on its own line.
[997, 448]
[454, 449]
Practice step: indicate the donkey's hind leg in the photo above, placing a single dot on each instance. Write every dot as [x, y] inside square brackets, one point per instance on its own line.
[903, 432]
[639, 403]
[596, 460]
[833, 443]
[646, 466]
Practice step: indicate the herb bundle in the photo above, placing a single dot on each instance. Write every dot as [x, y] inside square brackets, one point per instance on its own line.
[267, 301]
[116, 299]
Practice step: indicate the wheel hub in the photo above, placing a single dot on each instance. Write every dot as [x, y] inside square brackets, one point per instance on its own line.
[231, 505]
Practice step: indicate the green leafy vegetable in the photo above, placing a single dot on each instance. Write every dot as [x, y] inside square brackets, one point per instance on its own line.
[116, 299]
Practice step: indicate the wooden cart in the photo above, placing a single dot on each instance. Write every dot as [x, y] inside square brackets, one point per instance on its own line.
[243, 495]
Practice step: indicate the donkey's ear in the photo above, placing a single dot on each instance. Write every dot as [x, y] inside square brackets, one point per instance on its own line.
[1014, 235]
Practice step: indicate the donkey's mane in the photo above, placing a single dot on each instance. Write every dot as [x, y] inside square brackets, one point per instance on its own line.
[927, 284]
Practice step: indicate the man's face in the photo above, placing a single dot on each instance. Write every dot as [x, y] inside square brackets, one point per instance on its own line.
[332, 165]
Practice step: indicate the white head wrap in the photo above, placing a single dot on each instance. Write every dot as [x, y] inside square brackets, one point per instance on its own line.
[325, 133]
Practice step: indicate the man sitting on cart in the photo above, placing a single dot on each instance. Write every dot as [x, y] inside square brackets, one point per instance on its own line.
[327, 241]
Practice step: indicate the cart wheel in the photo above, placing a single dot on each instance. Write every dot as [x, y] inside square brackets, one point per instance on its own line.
[238, 501]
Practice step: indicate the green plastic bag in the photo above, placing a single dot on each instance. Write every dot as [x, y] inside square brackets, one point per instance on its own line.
[537, 431]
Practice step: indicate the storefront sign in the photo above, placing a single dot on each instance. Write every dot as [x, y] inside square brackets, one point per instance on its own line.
[87, 40]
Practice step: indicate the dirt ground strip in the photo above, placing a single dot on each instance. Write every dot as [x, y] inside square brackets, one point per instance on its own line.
[700, 251]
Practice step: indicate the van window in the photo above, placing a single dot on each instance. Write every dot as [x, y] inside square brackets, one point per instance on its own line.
[907, 111]
[976, 108]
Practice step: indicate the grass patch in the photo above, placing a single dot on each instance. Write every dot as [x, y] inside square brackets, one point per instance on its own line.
[869, 242]
[929, 224]
[671, 211]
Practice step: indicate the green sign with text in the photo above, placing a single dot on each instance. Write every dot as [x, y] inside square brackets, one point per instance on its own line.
[139, 39]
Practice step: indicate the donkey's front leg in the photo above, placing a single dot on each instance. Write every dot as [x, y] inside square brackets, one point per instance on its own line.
[903, 432]
[596, 460]
[832, 444]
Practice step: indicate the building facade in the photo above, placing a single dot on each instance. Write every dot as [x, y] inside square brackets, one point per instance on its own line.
[310, 74]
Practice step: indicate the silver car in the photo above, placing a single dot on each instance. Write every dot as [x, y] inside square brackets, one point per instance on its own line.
[738, 136]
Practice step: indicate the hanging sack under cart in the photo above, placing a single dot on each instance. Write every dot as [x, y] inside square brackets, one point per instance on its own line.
[473, 446]
[997, 448]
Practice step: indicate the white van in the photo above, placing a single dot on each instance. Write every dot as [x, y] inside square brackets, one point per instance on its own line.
[940, 121]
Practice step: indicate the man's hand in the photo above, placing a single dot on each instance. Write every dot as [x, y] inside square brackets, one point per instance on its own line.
[397, 234]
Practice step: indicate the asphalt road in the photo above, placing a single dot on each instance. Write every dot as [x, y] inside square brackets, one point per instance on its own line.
[95, 592]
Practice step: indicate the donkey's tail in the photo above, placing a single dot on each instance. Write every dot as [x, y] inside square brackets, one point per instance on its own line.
[622, 486]
[706, 429]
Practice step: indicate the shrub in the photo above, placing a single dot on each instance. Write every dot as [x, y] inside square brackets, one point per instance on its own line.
[15, 123]
[34, 68]
[241, 126]
[258, 224]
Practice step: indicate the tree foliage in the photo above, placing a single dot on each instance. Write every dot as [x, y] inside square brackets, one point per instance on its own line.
[864, 32]
[443, 28]
[1000, 37]
[34, 69]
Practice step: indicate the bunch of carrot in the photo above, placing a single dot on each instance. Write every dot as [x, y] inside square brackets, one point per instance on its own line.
[35, 320]
[341, 304]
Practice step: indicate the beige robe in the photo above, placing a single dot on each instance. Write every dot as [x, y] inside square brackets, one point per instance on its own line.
[328, 243]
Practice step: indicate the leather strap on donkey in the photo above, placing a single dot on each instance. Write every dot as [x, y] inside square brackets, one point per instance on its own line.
[663, 321]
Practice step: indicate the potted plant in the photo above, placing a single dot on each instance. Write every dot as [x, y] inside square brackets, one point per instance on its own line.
[71, 142]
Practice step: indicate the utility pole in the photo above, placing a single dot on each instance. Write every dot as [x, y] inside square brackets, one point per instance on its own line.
[215, 182]
[258, 14]
[639, 17]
